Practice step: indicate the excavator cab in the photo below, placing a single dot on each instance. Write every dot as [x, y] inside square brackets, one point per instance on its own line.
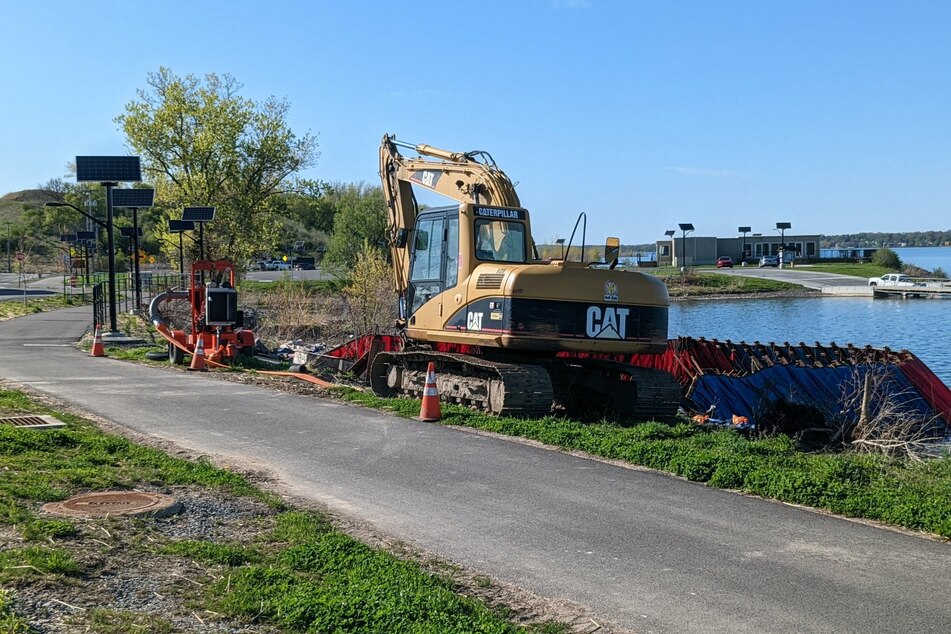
[434, 262]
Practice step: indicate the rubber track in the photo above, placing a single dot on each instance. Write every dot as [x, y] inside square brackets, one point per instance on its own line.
[527, 387]
[658, 393]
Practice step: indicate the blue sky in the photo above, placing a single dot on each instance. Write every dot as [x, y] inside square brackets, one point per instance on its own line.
[834, 116]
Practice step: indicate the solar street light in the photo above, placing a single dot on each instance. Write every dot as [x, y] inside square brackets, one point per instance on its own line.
[109, 171]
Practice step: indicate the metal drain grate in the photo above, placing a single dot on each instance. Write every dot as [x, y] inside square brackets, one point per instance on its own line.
[32, 422]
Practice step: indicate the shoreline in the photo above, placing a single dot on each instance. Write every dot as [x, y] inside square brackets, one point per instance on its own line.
[787, 294]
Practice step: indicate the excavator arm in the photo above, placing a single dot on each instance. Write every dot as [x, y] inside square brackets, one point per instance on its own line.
[466, 177]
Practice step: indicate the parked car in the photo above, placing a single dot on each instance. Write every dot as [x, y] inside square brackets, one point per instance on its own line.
[892, 279]
[304, 266]
[769, 260]
[724, 262]
[259, 265]
[278, 265]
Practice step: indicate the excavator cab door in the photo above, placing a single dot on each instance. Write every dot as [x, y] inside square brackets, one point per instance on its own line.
[435, 260]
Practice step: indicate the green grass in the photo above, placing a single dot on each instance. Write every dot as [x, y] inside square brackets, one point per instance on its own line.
[296, 572]
[10, 622]
[699, 283]
[911, 494]
[316, 286]
[16, 308]
[47, 466]
[847, 268]
[213, 553]
[319, 580]
[34, 560]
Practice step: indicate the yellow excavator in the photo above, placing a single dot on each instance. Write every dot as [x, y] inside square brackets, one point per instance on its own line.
[510, 333]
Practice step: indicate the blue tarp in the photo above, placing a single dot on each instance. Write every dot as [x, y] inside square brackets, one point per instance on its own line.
[822, 388]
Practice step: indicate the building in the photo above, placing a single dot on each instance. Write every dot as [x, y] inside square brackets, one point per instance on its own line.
[698, 250]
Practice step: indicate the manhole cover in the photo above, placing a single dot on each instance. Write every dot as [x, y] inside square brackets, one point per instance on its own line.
[116, 503]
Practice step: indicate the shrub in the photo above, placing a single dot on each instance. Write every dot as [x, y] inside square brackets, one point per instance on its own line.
[887, 258]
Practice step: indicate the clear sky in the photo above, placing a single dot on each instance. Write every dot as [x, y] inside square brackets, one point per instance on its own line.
[834, 116]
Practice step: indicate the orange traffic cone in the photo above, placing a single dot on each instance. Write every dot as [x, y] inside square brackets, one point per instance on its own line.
[198, 358]
[430, 410]
[97, 348]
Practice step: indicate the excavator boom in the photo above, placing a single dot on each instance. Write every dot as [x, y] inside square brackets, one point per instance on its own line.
[460, 176]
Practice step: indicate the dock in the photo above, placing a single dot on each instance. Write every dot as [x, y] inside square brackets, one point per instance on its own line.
[929, 289]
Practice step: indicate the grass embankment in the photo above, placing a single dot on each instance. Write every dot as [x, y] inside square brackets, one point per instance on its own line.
[17, 308]
[914, 495]
[848, 268]
[698, 284]
[294, 571]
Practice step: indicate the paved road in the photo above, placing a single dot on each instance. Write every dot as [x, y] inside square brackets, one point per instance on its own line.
[11, 288]
[651, 552]
[802, 275]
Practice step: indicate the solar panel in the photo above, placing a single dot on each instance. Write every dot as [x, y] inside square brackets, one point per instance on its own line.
[179, 226]
[67, 237]
[85, 235]
[138, 198]
[199, 214]
[108, 169]
[127, 231]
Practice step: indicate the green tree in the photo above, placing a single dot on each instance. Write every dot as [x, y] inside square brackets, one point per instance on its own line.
[202, 144]
[370, 298]
[887, 258]
[360, 217]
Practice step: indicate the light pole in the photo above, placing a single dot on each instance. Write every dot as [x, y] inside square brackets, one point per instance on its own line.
[686, 227]
[109, 171]
[781, 227]
[9, 262]
[744, 231]
[108, 228]
[670, 236]
[180, 227]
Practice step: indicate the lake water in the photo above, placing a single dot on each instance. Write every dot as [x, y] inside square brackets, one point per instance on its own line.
[926, 257]
[922, 326]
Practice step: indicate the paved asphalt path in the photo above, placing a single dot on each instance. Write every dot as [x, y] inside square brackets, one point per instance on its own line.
[650, 552]
[803, 275]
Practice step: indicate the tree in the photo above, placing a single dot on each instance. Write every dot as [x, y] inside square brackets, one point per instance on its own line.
[360, 216]
[203, 145]
[370, 299]
[887, 258]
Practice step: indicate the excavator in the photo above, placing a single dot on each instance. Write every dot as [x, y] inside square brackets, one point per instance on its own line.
[510, 333]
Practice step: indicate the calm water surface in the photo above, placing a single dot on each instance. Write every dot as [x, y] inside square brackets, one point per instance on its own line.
[926, 257]
[922, 326]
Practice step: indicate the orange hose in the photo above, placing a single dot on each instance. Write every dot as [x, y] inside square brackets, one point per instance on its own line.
[299, 375]
[164, 331]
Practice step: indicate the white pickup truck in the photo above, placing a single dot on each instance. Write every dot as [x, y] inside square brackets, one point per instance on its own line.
[891, 279]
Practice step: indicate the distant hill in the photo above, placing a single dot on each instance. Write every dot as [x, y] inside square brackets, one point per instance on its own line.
[903, 239]
[11, 205]
[26, 196]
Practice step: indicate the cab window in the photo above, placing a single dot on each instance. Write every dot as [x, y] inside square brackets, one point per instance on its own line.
[500, 241]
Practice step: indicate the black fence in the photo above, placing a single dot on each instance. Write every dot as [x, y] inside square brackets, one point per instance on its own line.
[126, 301]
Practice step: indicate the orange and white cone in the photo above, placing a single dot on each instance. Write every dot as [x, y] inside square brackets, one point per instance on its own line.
[198, 358]
[97, 348]
[430, 410]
